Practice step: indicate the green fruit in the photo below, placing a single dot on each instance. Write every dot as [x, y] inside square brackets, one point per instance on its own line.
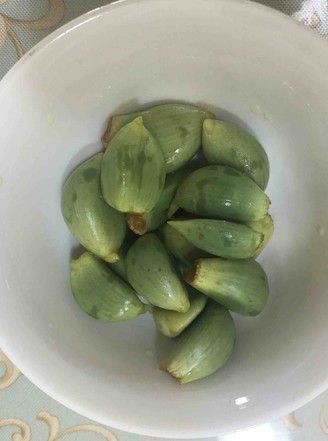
[218, 191]
[172, 323]
[96, 225]
[227, 144]
[119, 267]
[239, 285]
[179, 246]
[101, 293]
[265, 227]
[203, 347]
[150, 221]
[152, 274]
[177, 127]
[220, 238]
[132, 172]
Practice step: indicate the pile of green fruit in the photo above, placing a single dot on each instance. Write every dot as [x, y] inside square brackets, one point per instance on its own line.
[167, 235]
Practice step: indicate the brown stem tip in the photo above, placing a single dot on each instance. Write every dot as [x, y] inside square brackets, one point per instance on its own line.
[137, 223]
[189, 274]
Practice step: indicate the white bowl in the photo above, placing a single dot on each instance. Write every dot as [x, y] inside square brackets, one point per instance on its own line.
[249, 64]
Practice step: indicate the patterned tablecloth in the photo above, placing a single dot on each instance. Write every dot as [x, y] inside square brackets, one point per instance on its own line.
[26, 413]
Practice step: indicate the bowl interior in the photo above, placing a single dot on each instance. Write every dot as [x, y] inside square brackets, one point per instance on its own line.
[248, 64]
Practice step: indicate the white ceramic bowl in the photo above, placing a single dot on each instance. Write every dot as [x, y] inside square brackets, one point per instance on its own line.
[248, 63]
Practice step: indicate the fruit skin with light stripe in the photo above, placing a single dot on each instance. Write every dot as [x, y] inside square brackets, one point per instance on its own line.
[220, 238]
[101, 293]
[265, 227]
[172, 323]
[176, 126]
[151, 220]
[97, 226]
[152, 274]
[218, 191]
[225, 143]
[132, 171]
[238, 285]
[204, 347]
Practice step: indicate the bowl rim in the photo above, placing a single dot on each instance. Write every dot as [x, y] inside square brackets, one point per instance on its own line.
[297, 400]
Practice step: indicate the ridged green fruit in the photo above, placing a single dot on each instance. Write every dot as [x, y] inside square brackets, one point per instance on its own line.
[176, 126]
[239, 285]
[218, 191]
[225, 143]
[101, 293]
[150, 221]
[133, 172]
[172, 323]
[204, 347]
[152, 274]
[220, 238]
[96, 225]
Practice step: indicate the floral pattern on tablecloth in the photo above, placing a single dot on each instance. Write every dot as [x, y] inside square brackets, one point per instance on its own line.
[26, 413]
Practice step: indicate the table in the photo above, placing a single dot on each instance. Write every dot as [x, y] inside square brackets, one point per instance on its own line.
[26, 413]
